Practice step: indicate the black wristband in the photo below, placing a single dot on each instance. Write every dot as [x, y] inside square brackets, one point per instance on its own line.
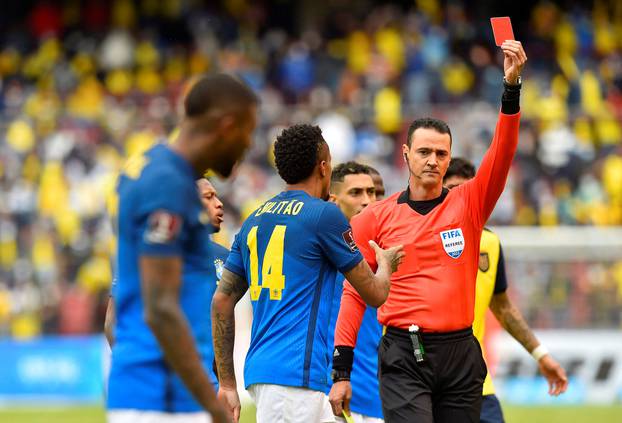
[510, 101]
[343, 357]
[340, 375]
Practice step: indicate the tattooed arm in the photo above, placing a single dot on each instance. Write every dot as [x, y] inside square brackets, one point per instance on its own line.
[230, 289]
[160, 286]
[513, 322]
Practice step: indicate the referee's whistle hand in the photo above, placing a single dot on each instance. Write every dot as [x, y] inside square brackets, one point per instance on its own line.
[393, 256]
[339, 397]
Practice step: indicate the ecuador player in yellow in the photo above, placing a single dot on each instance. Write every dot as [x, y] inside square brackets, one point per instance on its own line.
[491, 292]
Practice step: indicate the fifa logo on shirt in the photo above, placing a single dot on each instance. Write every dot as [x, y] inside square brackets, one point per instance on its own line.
[453, 242]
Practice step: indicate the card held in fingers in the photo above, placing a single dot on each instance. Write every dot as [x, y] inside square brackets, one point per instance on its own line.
[502, 29]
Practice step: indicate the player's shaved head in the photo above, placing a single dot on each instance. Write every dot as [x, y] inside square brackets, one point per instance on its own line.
[218, 91]
[220, 117]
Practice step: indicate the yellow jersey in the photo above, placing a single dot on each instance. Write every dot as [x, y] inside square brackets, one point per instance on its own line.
[490, 280]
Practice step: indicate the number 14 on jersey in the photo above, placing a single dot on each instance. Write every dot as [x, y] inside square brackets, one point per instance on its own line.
[272, 277]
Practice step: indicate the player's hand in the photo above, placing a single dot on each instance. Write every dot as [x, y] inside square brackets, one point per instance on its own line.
[554, 374]
[392, 256]
[231, 401]
[220, 415]
[514, 58]
[339, 397]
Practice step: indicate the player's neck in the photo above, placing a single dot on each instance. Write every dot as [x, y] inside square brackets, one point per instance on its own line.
[313, 188]
[419, 192]
[195, 161]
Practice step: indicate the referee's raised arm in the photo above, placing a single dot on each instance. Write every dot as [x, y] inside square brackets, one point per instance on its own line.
[489, 182]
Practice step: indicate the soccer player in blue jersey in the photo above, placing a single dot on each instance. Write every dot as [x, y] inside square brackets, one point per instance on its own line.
[287, 254]
[162, 349]
[353, 187]
[218, 256]
[215, 210]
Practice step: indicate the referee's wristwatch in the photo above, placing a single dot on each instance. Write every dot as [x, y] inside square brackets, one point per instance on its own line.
[338, 375]
[513, 87]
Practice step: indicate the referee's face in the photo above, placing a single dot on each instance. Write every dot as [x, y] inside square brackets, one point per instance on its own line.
[428, 157]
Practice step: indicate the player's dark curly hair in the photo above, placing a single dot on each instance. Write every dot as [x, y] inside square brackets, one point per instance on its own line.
[348, 168]
[296, 152]
[460, 167]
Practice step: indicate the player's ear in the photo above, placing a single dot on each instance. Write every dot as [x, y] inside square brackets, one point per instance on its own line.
[324, 168]
[227, 125]
[332, 198]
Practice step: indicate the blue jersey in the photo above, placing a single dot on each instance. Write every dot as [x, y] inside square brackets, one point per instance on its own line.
[160, 214]
[290, 250]
[218, 259]
[364, 377]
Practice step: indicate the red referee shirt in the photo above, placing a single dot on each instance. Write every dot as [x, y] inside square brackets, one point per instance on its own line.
[434, 287]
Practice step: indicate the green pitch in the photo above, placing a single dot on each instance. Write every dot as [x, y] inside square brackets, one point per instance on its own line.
[513, 414]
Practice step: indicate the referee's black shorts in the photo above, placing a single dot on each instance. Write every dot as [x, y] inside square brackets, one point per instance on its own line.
[445, 387]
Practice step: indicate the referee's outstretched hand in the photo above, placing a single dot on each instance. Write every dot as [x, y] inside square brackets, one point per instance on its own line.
[391, 256]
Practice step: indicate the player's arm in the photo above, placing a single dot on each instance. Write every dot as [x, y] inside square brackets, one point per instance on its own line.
[374, 287]
[341, 246]
[161, 285]
[512, 320]
[109, 322]
[490, 179]
[231, 288]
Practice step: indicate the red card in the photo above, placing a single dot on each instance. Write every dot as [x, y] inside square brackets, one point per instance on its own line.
[502, 29]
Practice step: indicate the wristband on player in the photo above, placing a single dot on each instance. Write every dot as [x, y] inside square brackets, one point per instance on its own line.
[539, 352]
[343, 357]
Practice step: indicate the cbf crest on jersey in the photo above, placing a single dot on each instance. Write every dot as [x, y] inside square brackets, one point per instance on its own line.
[219, 265]
[453, 242]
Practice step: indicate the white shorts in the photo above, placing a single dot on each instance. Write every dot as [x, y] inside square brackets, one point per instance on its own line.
[287, 404]
[359, 418]
[141, 416]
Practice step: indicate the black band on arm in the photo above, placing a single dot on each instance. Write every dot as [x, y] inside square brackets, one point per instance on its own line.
[510, 101]
[343, 357]
[340, 375]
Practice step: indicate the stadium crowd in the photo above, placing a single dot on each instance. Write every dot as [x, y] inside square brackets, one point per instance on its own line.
[84, 85]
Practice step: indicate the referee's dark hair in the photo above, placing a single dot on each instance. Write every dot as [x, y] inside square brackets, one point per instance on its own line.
[430, 123]
[296, 152]
[348, 168]
[461, 168]
[218, 91]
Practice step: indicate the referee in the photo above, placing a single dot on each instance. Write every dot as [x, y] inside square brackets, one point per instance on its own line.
[430, 365]
[491, 293]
